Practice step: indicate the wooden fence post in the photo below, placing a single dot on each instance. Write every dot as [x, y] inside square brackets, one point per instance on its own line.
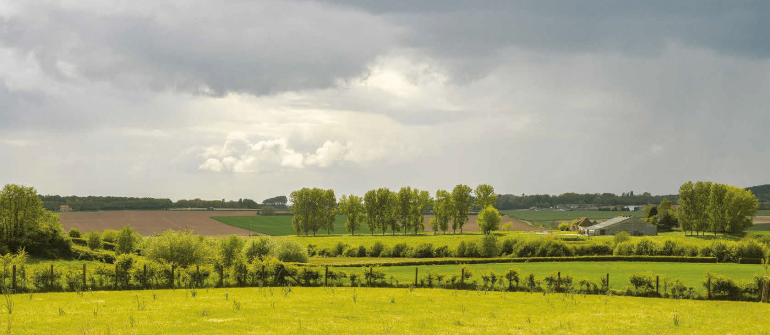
[14, 278]
[84, 276]
[144, 279]
[558, 281]
[326, 276]
[708, 288]
[657, 285]
[415, 276]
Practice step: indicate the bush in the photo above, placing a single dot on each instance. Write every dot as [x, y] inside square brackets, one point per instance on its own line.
[643, 282]
[646, 247]
[554, 248]
[289, 251]
[125, 241]
[720, 251]
[73, 232]
[229, 248]
[257, 249]
[94, 240]
[361, 252]
[350, 252]
[460, 250]
[624, 249]
[442, 251]
[399, 250]
[565, 282]
[182, 248]
[424, 250]
[592, 249]
[489, 246]
[509, 245]
[681, 291]
[747, 249]
[527, 249]
[472, 250]
[722, 286]
[339, 249]
[386, 252]
[621, 237]
[110, 235]
[564, 226]
[376, 249]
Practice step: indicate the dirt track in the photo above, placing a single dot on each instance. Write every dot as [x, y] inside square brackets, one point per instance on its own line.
[762, 219]
[472, 225]
[150, 222]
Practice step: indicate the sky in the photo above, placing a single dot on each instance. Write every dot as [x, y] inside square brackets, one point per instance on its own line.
[251, 99]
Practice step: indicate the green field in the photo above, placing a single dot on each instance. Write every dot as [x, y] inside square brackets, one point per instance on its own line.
[278, 225]
[372, 311]
[692, 274]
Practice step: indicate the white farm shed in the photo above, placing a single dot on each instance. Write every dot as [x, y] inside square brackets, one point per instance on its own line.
[630, 224]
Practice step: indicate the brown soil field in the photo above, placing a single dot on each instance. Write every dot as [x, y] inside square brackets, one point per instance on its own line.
[472, 225]
[762, 219]
[150, 222]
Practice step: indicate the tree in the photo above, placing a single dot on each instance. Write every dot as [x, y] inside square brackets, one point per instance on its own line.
[485, 196]
[276, 202]
[434, 226]
[422, 203]
[461, 206]
[665, 206]
[650, 211]
[229, 248]
[94, 240]
[25, 223]
[353, 207]
[267, 210]
[743, 207]
[371, 210]
[313, 209]
[126, 240]
[489, 219]
[715, 207]
[443, 210]
[406, 207]
[328, 210]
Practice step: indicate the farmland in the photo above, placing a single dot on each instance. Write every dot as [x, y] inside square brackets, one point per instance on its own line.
[372, 311]
[150, 222]
[280, 225]
[552, 218]
[691, 274]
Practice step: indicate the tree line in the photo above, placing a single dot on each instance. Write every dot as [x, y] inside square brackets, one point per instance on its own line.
[511, 201]
[384, 210]
[713, 207]
[105, 203]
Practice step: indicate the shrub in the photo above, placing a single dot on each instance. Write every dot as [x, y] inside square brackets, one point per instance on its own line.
[720, 251]
[528, 249]
[565, 282]
[747, 249]
[182, 248]
[267, 210]
[681, 291]
[350, 252]
[289, 251]
[621, 237]
[73, 232]
[376, 249]
[472, 249]
[228, 249]
[668, 248]
[592, 249]
[512, 275]
[339, 248]
[424, 250]
[509, 244]
[722, 286]
[564, 226]
[94, 240]
[646, 247]
[399, 250]
[531, 283]
[361, 252]
[442, 251]
[123, 265]
[460, 251]
[554, 248]
[258, 249]
[643, 282]
[386, 252]
[489, 246]
[110, 235]
[624, 249]
[125, 241]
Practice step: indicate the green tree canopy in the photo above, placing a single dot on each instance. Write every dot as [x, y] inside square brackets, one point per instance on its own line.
[489, 219]
[485, 196]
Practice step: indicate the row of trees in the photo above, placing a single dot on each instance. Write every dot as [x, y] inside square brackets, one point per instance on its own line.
[25, 224]
[706, 206]
[385, 210]
[511, 201]
[97, 203]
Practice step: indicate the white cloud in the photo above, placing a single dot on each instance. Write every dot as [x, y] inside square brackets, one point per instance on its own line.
[211, 164]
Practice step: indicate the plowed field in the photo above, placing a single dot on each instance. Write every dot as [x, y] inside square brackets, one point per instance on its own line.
[149, 222]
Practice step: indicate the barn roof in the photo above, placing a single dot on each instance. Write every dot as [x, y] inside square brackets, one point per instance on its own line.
[613, 221]
[584, 222]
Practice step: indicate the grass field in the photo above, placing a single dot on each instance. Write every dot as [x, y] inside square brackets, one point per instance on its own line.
[691, 274]
[372, 311]
[279, 225]
[552, 218]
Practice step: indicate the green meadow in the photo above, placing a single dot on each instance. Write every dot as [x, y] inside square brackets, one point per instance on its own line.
[371, 311]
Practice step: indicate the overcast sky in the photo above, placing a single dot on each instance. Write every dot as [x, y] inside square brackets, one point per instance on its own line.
[228, 99]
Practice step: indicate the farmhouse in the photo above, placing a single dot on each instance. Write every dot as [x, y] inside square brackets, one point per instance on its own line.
[630, 224]
[65, 208]
[581, 224]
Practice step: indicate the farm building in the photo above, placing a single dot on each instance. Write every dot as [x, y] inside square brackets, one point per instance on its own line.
[580, 224]
[65, 208]
[630, 224]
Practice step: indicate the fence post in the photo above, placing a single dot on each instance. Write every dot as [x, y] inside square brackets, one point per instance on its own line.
[172, 275]
[415, 276]
[326, 276]
[14, 278]
[371, 271]
[144, 279]
[51, 277]
[84, 276]
[708, 288]
[198, 273]
[558, 281]
[657, 285]
[608, 281]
